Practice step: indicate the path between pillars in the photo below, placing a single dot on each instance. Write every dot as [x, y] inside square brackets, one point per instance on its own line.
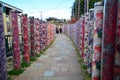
[59, 63]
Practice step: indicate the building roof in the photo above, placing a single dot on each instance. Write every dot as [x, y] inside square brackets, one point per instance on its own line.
[11, 7]
[55, 19]
[51, 18]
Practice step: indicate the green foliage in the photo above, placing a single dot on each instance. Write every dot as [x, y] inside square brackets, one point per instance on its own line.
[84, 66]
[81, 6]
[80, 59]
[25, 64]
[9, 78]
[42, 52]
[32, 58]
[82, 2]
[16, 71]
[38, 55]
[91, 3]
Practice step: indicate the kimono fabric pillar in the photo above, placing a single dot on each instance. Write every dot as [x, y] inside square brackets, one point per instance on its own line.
[45, 35]
[25, 37]
[97, 40]
[71, 32]
[3, 66]
[29, 36]
[86, 38]
[16, 46]
[42, 35]
[117, 47]
[109, 34]
[74, 33]
[35, 42]
[32, 32]
[83, 30]
[77, 34]
[75, 30]
[37, 24]
[50, 27]
[52, 33]
[67, 31]
[80, 38]
[90, 40]
[49, 31]
[40, 32]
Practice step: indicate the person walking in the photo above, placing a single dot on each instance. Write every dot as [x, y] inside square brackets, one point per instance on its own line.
[57, 30]
[60, 30]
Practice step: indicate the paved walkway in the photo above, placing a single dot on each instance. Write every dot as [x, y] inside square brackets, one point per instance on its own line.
[59, 63]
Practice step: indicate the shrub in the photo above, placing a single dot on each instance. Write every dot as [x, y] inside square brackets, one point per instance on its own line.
[16, 71]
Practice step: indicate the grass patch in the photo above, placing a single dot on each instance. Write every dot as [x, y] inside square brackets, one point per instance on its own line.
[42, 52]
[80, 59]
[38, 55]
[16, 72]
[9, 77]
[83, 67]
[33, 59]
[86, 75]
[25, 64]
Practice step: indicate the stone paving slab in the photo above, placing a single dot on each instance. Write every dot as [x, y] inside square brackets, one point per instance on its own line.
[59, 63]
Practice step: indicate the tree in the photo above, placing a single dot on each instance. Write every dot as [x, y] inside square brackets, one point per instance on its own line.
[91, 3]
[75, 8]
[81, 7]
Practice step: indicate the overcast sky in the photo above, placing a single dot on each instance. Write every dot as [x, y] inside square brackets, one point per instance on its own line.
[48, 8]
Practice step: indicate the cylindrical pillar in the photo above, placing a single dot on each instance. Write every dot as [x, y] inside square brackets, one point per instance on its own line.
[37, 25]
[32, 32]
[45, 33]
[3, 67]
[90, 40]
[29, 36]
[43, 36]
[83, 31]
[86, 38]
[48, 34]
[109, 34]
[117, 47]
[80, 38]
[40, 32]
[79, 34]
[16, 45]
[25, 38]
[97, 40]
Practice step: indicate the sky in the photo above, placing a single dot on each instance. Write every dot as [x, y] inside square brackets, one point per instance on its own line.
[46, 8]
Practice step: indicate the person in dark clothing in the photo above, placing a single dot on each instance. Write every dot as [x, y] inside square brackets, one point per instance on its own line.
[60, 30]
[57, 30]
